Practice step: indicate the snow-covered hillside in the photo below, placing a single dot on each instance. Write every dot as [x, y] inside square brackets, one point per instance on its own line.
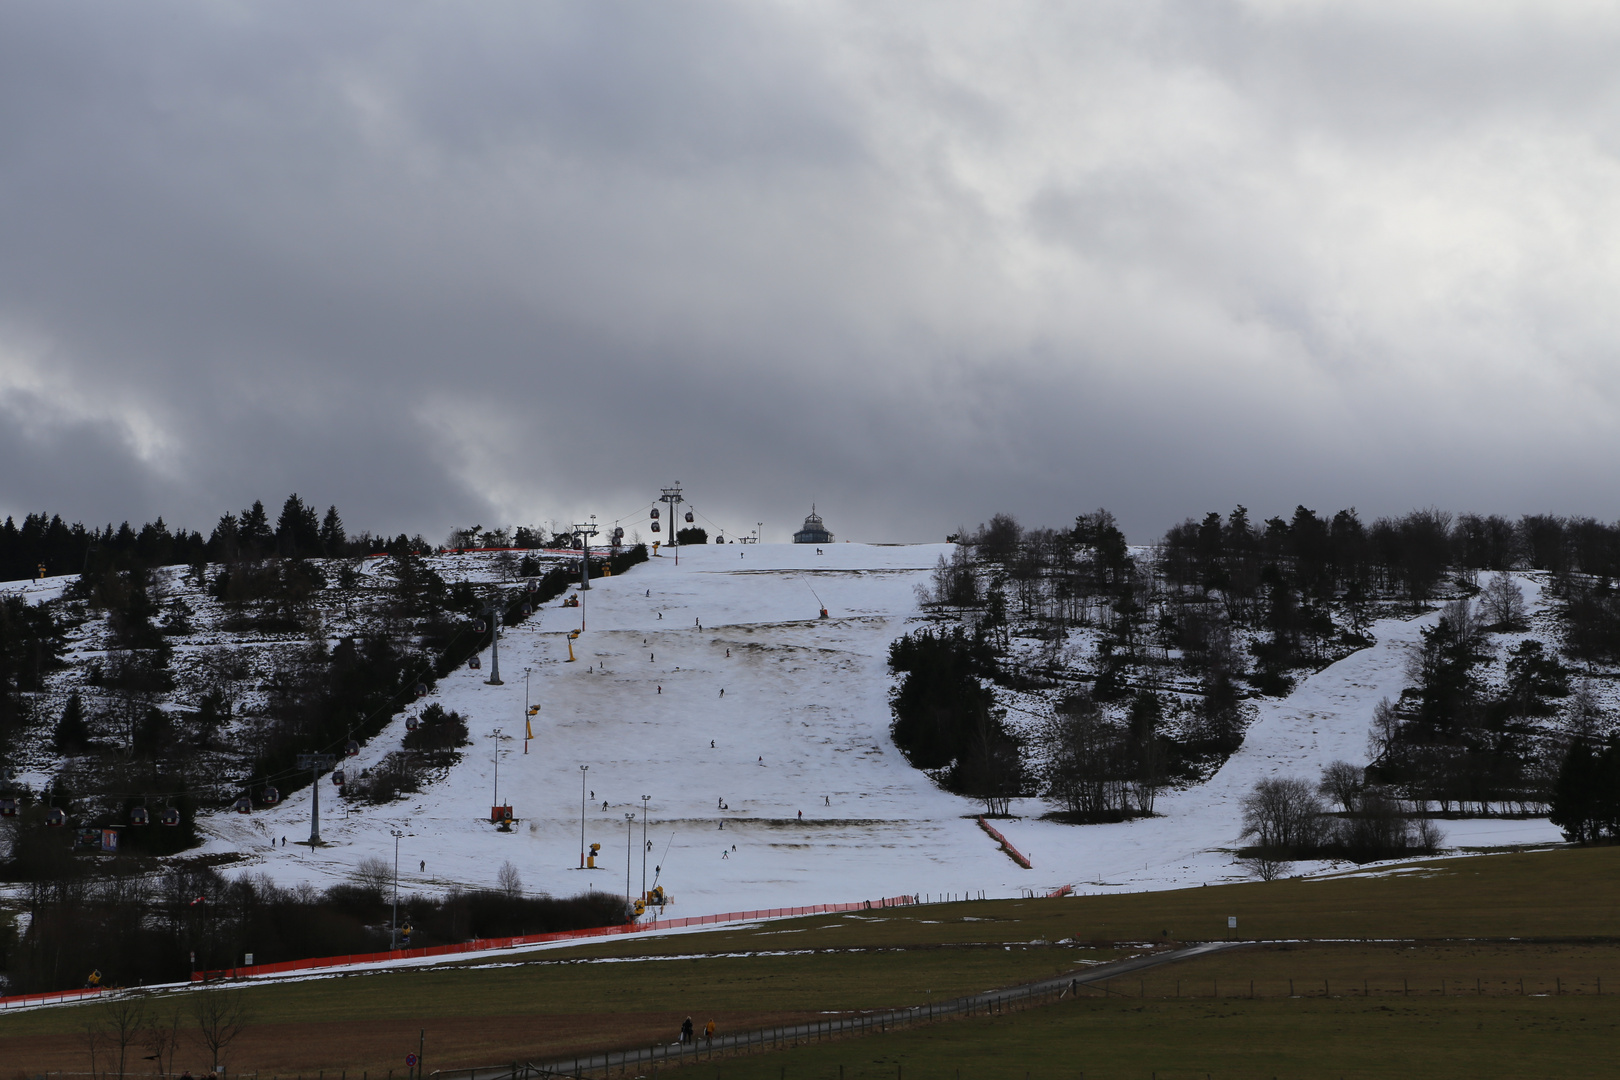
[801, 728]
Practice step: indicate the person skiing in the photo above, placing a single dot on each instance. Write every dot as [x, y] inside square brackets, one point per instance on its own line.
[422, 867]
[722, 691]
[801, 815]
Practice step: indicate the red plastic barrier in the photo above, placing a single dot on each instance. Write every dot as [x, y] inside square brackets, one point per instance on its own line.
[1055, 893]
[18, 1001]
[487, 944]
[1017, 856]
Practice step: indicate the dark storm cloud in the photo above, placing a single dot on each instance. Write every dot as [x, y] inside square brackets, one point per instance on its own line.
[440, 264]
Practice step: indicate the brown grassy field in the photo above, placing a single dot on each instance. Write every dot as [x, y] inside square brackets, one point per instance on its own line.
[1475, 925]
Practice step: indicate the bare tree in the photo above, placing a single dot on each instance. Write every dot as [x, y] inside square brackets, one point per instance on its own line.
[1503, 602]
[1283, 814]
[221, 1016]
[375, 874]
[509, 881]
[1341, 782]
[1585, 714]
[1386, 725]
[163, 1039]
[1267, 867]
[121, 1024]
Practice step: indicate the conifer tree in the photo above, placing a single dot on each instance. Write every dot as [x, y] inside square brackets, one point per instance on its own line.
[253, 531]
[71, 735]
[333, 540]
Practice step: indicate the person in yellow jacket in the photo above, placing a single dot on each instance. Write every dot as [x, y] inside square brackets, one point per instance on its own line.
[708, 1032]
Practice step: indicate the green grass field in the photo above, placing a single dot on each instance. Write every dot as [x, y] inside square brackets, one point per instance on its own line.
[1421, 962]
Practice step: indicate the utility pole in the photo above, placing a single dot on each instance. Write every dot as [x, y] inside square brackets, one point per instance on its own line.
[528, 725]
[671, 498]
[583, 769]
[394, 933]
[316, 764]
[583, 533]
[494, 641]
[644, 799]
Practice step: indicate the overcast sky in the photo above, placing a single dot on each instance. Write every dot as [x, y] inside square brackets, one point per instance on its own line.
[512, 262]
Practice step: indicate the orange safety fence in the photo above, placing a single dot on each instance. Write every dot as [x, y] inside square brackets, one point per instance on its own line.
[488, 944]
[1017, 856]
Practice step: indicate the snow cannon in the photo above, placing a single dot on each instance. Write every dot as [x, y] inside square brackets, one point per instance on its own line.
[572, 634]
[590, 860]
[823, 613]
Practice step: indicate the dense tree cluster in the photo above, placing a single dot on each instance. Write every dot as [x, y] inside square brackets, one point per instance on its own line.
[945, 721]
[1244, 606]
[135, 928]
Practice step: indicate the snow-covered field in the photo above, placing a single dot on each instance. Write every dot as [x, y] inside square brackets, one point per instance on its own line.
[801, 728]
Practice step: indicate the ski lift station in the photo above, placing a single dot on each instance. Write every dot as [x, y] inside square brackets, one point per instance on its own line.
[814, 532]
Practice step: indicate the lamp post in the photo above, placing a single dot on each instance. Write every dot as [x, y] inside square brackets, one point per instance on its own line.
[644, 799]
[629, 838]
[583, 769]
[496, 735]
[394, 931]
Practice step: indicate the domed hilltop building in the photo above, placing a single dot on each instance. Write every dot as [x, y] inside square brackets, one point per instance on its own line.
[814, 532]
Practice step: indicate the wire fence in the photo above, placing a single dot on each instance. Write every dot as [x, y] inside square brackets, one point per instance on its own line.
[637, 1060]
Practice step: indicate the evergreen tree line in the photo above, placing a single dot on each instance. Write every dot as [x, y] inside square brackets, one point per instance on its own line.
[300, 531]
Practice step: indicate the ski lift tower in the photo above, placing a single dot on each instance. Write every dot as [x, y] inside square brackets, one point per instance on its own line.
[582, 534]
[494, 641]
[316, 764]
[671, 497]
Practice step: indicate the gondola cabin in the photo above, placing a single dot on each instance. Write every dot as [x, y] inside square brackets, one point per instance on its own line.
[170, 817]
[412, 722]
[140, 816]
[655, 513]
[352, 750]
[689, 517]
[474, 663]
[480, 626]
[421, 689]
[56, 817]
[337, 777]
[655, 527]
[244, 805]
[269, 796]
[8, 807]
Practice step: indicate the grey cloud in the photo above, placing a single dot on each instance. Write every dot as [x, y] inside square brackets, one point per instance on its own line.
[524, 261]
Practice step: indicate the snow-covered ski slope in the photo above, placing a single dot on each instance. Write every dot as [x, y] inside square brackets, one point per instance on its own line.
[802, 727]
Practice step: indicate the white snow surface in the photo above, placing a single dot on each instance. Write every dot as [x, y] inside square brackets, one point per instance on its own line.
[802, 727]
